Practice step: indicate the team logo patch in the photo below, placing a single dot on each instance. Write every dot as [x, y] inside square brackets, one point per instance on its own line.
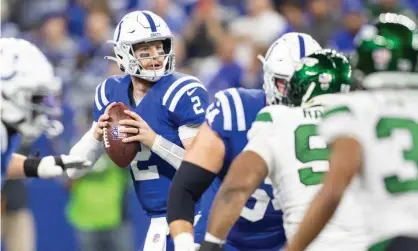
[325, 79]
[156, 238]
[381, 58]
[116, 134]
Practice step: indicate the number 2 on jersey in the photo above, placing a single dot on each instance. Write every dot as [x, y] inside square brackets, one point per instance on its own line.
[384, 129]
[144, 173]
[306, 154]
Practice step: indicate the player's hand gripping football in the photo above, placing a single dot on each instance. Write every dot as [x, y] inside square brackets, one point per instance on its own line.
[142, 131]
[102, 123]
[54, 166]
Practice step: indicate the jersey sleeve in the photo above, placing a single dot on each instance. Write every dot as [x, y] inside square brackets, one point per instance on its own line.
[259, 137]
[189, 104]
[339, 120]
[102, 98]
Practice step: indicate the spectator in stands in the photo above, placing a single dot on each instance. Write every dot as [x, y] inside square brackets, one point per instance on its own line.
[78, 11]
[261, 27]
[221, 71]
[322, 21]
[354, 18]
[55, 42]
[204, 29]
[293, 12]
[91, 65]
[382, 6]
[181, 56]
[174, 16]
[30, 12]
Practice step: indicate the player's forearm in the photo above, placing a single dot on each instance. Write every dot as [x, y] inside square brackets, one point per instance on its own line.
[15, 169]
[180, 226]
[46, 167]
[226, 209]
[319, 213]
[88, 147]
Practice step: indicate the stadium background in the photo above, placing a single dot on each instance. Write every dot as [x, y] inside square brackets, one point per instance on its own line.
[215, 40]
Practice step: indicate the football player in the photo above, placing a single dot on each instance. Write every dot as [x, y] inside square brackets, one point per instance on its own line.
[223, 137]
[167, 108]
[373, 134]
[27, 80]
[284, 146]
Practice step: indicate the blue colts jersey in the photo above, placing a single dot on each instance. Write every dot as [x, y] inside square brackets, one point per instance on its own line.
[174, 101]
[9, 144]
[231, 114]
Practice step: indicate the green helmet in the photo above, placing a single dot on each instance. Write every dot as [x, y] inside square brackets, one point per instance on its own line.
[390, 45]
[323, 72]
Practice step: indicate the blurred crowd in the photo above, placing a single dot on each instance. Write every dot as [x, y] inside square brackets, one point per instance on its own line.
[215, 40]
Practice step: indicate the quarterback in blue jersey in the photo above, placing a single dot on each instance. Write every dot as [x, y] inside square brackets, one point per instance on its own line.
[220, 140]
[166, 110]
[27, 78]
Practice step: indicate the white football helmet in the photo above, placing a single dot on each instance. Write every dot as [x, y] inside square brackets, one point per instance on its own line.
[142, 27]
[27, 85]
[280, 62]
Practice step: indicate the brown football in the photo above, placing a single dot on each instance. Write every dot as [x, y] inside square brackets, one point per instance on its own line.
[120, 153]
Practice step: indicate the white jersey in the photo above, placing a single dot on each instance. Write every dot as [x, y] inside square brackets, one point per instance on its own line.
[385, 123]
[297, 159]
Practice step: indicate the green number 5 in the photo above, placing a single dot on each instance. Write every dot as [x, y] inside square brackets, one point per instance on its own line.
[384, 129]
[305, 154]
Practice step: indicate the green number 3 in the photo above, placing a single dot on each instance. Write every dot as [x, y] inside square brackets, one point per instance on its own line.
[305, 154]
[384, 129]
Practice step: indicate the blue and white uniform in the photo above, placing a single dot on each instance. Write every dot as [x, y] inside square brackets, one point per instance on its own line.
[174, 101]
[260, 225]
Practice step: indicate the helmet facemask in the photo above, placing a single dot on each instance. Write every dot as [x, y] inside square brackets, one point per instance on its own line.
[275, 85]
[131, 64]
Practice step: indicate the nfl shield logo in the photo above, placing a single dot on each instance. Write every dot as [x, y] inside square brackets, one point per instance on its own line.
[381, 58]
[116, 134]
[325, 79]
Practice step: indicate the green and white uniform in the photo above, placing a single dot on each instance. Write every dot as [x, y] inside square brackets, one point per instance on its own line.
[297, 159]
[385, 123]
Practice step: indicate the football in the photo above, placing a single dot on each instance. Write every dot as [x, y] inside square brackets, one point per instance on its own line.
[120, 153]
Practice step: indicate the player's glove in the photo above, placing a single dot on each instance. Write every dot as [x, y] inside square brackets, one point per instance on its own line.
[210, 246]
[53, 166]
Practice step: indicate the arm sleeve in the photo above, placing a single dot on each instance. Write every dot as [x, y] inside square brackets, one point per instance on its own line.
[89, 148]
